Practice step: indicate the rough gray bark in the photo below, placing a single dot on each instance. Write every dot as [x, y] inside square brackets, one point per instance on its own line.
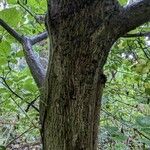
[81, 34]
[75, 78]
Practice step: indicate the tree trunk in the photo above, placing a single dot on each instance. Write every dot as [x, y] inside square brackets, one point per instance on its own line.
[81, 39]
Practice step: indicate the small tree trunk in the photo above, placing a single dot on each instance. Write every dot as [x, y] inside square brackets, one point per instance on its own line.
[70, 108]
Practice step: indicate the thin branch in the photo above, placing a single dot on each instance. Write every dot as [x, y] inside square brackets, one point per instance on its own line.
[38, 38]
[140, 133]
[14, 93]
[28, 11]
[137, 35]
[126, 103]
[143, 49]
[8, 87]
[31, 104]
[116, 118]
[23, 111]
[29, 129]
[39, 18]
[11, 31]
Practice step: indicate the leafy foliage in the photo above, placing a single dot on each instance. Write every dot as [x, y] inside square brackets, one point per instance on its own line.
[126, 100]
[17, 87]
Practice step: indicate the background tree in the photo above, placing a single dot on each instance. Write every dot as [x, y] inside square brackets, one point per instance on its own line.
[81, 34]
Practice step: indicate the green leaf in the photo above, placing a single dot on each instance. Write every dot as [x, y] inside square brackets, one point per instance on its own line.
[143, 121]
[120, 146]
[3, 61]
[29, 85]
[146, 141]
[119, 137]
[11, 15]
[111, 129]
[146, 130]
[2, 90]
[11, 1]
[139, 68]
[5, 48]
[2, 147]
[14, 61]
[147, 91]
[20, 54]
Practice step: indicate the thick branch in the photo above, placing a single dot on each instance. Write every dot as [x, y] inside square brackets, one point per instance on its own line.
[131, 16]
[34, 63]
[38, 38]
[35, 66]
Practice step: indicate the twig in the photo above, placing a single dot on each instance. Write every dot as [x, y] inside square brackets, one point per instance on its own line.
[116, 118]
[14, 93]
[140, 133]
[8, 87]
[23, 111]
[143, 49]
[28, 11]
[9, 69]
[32, 104]
[31, 128]
[137, 35]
